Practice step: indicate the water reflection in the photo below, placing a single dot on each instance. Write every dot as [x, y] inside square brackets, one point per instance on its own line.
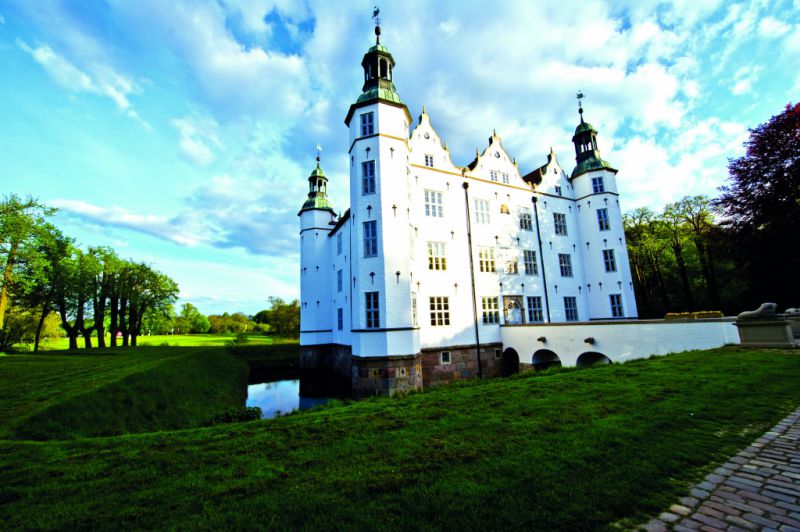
[284, 396]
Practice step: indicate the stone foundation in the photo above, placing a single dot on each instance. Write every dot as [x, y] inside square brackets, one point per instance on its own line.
[386, 375]
[463, 363]
[390, 375]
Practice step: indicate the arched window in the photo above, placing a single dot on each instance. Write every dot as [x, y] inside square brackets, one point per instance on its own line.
[384, 72]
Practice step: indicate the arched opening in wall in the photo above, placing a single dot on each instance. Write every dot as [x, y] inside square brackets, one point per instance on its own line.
[384, 68]
[544, 359]
[510, 362]
[592, 358]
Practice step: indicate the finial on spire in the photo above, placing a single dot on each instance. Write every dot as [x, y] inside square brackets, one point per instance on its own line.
[319, 151]
[580, 97]
[375, 12]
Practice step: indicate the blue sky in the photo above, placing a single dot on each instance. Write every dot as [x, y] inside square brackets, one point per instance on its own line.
[181, 133]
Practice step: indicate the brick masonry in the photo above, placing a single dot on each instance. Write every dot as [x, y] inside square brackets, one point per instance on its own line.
[463, 363]
[758, 489]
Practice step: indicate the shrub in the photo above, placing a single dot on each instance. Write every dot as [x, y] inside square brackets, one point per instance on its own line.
[237, 415]
[699, 315]
[240, 339]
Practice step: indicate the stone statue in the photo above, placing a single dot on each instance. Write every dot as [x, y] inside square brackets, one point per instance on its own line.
[765, 312]
[792, 312]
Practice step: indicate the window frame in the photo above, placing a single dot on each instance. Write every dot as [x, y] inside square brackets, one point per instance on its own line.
[486, 258]
[368, 181]
[428, 160]
[603, 223]
[340, 319]
[372, 314]
[439, 311]
[535, 310]
[617, 310]
[609, 260]
[482, 211]
[437, 256]
[571, 311]
[525, 218]
[434, 207]
[370, 238]
[565, 265]
[367, 123]
[339, 280]
[490, 310]
[529, 262]
[598, 185]
[560, 224]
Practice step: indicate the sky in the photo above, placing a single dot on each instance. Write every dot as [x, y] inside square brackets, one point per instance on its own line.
[181, 133]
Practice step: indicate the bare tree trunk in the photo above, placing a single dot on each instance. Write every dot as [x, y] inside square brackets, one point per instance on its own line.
[45, 312]
[123, 326]
[114, 315]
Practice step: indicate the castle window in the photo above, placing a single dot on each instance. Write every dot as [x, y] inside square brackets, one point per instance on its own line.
[445, 357]
[602, 219]
[493, 175]
[340, 318]
[506, 178]
[560, 223]
[440, 311]
[609, 260]
[565, 264]
[486, 259]
[371, 309]
[525, 220]
[482, 212]
[597, 185]
[511, 266]
[371, 239]
[491, 312]
[529, 260]
[616, 305]
[368, 177]
[558, 190]
[535, 313]
[429, 161]
[339, 244]
[571, 308]
[498, 354]
[339, 281]
[367, 124]
[436, 258]
[433, 203]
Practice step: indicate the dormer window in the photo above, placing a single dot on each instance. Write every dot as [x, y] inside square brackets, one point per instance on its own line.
[558, 190]
[506, 178]
[429, 161]
[493, 175]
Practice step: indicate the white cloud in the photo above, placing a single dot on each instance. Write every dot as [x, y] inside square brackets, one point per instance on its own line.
[2, 20]
[162, 227]
[744, 78]
[449, 27]
[197, 135]
[770, 27]
[104, 81]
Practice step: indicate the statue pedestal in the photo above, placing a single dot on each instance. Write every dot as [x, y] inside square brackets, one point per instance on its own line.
[775, 333]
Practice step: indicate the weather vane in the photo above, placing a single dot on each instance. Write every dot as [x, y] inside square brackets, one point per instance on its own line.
[319, 151]
[580, 97]
[375, 13]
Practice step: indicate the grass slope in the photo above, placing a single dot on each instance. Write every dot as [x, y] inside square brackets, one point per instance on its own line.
[180, 340]
[573, 450]
[58, 396]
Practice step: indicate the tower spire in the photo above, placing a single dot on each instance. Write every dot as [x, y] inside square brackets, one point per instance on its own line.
[375, 16]
[580, 97]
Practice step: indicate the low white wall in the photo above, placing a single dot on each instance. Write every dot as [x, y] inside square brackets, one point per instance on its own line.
[618, 340]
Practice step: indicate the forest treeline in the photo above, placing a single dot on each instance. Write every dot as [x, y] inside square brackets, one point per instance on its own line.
[732, 252]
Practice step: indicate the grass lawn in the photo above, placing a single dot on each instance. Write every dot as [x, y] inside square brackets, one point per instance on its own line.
[219, 340]
[568, 450]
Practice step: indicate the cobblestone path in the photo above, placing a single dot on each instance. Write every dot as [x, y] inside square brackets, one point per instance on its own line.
[758, 489]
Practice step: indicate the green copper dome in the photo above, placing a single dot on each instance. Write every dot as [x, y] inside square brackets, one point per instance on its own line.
[585, 127]
[594, 163]
[317, 191]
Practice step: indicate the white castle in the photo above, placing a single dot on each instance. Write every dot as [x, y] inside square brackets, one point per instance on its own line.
[433, 259]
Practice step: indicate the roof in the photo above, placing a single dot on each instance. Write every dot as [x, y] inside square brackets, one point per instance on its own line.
[317, 201]
[318, 172]
[340, 222]
[593, 163]
[583, 127]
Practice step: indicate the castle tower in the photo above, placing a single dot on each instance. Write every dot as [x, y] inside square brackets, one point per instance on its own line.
[382, 322]
[317, 218]
[609, 286]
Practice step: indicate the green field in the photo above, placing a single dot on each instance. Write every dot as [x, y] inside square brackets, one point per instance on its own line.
[568, 450]
[181, 340]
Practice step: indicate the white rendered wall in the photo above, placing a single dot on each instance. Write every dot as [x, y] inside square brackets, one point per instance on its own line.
[315, 289]
[619, 340]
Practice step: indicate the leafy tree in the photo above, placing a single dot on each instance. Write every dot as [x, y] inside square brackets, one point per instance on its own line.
[21, 223]
[191, 320]
[283, 318]
[761, 208]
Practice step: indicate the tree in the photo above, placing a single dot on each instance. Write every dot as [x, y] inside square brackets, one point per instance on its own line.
[21, 222]
[699, 220]
[761, 207]
[191, 320]
[283, 318]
